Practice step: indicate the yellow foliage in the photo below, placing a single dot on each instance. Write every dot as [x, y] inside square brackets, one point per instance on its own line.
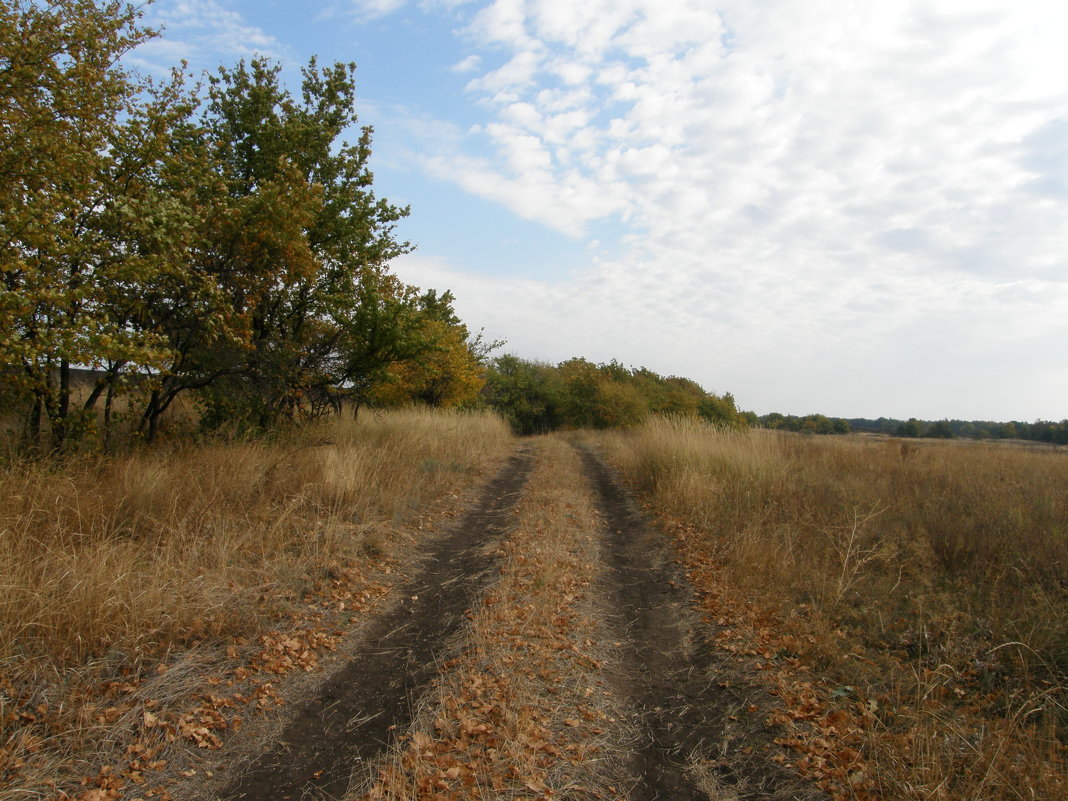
[446, 375]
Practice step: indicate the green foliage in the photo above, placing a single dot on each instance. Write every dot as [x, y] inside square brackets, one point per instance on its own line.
[330, 317]
[526, 392]
[809, 424]
[442, 365]
[721, 410]
[236, 251]
[940, 430]
[576, 393]
[1041, 431]
[911, 428]
[79, 141]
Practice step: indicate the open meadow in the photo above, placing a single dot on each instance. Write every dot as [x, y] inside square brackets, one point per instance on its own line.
[674, 608]
[925, 582]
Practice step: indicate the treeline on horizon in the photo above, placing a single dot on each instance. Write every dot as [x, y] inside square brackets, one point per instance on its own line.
[1038, 431]
[221, 242]
[539, 397]
[223, 245]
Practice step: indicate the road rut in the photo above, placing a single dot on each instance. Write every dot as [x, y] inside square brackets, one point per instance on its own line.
[351, 719]
[690, 748]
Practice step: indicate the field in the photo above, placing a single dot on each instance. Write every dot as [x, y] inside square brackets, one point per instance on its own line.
[111, 566]
[927, 582]
[670, 611]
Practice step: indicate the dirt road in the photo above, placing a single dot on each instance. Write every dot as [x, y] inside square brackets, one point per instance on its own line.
[546, 647]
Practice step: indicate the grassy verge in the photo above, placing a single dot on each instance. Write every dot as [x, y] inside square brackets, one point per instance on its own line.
[112, 568]
[924, 585]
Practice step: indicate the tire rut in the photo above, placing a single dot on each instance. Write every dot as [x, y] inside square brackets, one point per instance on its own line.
[351, 719]
[658, 677]
[670, 670]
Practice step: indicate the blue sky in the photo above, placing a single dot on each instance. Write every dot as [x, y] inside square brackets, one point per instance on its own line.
[853, 208]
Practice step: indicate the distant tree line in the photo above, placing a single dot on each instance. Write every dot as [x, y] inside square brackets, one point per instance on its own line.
[1038, 431]
[539, 397]
[808, 424]
[221, 242]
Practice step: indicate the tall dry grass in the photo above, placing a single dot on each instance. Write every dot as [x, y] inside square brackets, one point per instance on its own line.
[122, 558]
[932, 577]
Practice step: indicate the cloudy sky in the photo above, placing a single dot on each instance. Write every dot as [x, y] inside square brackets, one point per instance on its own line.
[840, 206]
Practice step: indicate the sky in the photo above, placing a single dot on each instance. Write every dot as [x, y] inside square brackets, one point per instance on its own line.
[848, 207]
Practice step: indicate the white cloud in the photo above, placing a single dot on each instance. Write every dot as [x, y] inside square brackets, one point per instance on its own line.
[516, 75]
[374, 9]
[199, 31]
[468, 64]
[827, 188]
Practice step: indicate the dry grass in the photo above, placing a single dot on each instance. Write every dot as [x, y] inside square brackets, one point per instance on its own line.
[523, 710]
[931, 580]
[109, 564]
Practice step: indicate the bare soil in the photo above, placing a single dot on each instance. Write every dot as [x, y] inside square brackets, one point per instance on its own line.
[685, 696]
[352, 718]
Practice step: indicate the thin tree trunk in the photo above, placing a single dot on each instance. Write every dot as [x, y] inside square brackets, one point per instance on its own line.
[61, 420]
[153, 426]
[150, 419]
[107, 416]
[33, 420]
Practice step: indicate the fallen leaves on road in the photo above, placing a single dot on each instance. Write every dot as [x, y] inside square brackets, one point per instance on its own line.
[200, 719]
[520, 711]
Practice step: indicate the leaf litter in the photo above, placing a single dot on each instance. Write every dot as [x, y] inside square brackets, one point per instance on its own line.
[571, 678]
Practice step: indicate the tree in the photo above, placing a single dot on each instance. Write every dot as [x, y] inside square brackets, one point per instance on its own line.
[75, 135]
[444, 365]
[618, 404]
[327, 312]
[941, 429]
[911, 428]
[580, 381]
[721, 410]
[242, 248]
[445, 374]
[528, 393]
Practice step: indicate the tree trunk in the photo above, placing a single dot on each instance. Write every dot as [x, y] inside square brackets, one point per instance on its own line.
[107, 416]
[61, 417]
[33, 420]
[149, 425]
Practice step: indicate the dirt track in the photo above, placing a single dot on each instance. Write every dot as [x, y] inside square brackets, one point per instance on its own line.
[682, 692]
[351, 718]
[679, 736]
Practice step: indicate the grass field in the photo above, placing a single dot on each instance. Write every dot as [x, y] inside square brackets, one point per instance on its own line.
[109, 564]
[927, 580]
[905, 603]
